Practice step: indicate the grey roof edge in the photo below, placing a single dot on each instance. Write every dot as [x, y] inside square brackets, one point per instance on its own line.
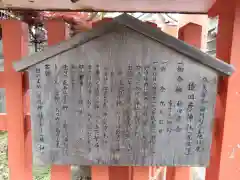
[138, 26]
[66, 45]
[176, 44]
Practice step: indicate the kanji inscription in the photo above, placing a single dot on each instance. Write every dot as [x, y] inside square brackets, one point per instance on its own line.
[122, 110]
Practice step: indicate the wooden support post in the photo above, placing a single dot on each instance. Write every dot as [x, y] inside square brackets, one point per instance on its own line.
[57, 32]
[178, 173]
[112, 173]
[100, 173]
[171, 171]
[192, 34]
[225, 155]
[119, 172]
[15, 46]
[141, 173]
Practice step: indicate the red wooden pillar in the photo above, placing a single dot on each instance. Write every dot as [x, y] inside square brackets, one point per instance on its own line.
[119, 173]
[171, 171]
[57, 32]
[112, 173]
[192, 34]
[141, 173]
[178, 173]
[100, 173]
[15, 46]
[225, 162]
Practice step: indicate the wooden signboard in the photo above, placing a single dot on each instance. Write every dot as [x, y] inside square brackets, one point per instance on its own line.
[122, 99]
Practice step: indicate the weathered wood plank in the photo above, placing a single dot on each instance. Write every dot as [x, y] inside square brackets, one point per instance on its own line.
[122, 99]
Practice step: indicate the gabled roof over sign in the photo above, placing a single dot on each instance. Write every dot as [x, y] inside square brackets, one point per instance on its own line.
[136, 25]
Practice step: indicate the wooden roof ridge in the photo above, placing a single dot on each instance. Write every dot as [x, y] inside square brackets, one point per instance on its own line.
[143, 28]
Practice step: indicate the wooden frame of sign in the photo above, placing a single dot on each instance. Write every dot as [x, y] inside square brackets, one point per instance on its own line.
[124, 93]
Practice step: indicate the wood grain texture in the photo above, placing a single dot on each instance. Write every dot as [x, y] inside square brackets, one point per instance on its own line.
[123, 99]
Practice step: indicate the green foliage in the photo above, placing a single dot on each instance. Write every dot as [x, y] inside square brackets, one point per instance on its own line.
[4, 171]
[39, 173]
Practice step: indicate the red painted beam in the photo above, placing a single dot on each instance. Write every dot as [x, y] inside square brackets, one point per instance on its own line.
[213, 11]
[220, 7]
